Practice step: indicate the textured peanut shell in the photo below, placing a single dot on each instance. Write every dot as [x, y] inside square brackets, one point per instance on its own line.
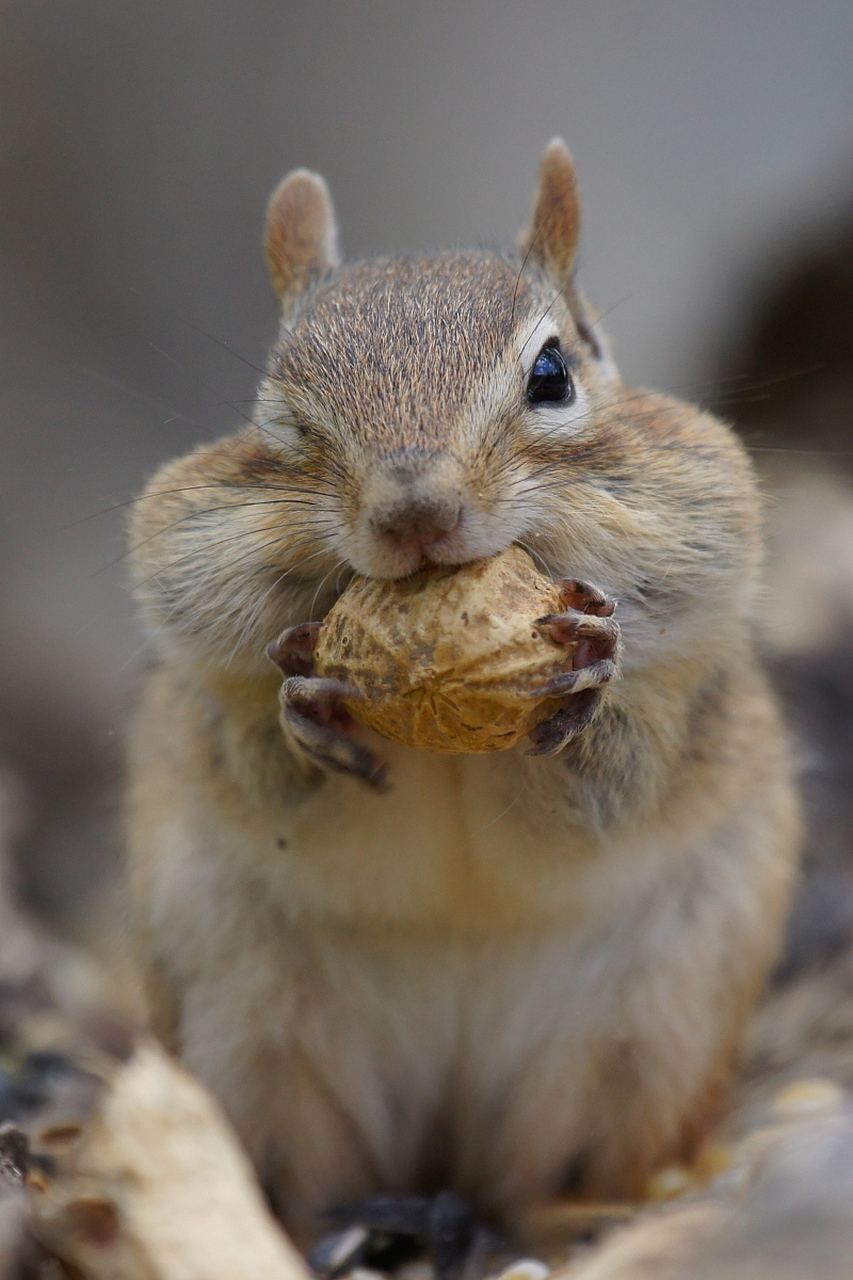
[447, 660]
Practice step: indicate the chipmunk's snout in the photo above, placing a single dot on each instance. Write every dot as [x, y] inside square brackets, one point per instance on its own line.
[407, 525]
[417, 522]
[414, 513]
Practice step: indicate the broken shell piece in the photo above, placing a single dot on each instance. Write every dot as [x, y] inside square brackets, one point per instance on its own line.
[450, 659]
[526, 1269]
[158, 1188]
[808, 1097]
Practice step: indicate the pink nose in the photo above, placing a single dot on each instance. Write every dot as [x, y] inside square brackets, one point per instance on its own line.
[418, 522]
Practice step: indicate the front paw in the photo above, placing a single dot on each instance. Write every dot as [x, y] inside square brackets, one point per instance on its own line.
[315, 721]
[588, 624]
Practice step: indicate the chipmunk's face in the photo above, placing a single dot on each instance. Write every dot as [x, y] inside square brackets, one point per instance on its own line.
[434, 409]
[433, 404]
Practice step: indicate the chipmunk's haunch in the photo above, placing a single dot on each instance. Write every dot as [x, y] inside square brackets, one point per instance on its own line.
[506, 974]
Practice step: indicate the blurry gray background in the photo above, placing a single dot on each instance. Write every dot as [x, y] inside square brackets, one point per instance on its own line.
[139, 143]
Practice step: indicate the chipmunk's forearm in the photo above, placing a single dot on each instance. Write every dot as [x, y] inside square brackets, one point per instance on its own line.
[656, 731]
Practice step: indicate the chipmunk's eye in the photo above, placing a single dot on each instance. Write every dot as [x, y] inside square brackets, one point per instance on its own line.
[549, 378]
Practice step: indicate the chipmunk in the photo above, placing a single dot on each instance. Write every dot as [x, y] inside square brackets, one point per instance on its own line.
[516, 975]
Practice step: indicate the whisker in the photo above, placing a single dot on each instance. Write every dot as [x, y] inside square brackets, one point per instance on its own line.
[263, 545]
[535, 556]
[522, 790]
[536, 234]
[810, 453]
[220, 342]
[170, 614]
[258, 608]
[323, 581]
[134, 393]
[192, 515]
[235, 486]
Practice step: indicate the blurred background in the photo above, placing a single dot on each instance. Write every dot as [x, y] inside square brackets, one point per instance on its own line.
[138, 145]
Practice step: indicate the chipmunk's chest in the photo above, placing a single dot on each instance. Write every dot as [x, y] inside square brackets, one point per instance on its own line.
[459, 842]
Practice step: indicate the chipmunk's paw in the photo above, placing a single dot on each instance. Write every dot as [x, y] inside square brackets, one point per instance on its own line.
[314, 718]
[588, 624]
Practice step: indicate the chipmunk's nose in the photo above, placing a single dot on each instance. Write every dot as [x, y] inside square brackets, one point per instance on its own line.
[415, 508]
[416, 522]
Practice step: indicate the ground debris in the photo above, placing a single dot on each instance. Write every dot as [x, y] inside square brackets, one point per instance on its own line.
[156, 1187]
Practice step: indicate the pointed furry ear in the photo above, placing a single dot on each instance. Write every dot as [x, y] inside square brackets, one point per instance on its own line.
[302, 237]
[554, 232]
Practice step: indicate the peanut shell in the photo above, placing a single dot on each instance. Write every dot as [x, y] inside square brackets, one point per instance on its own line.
[448, 659]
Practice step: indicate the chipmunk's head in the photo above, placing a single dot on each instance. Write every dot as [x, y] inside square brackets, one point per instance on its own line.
[438, 410]
[432, 409]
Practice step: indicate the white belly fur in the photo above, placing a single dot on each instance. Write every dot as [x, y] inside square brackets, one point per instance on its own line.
[438, 982]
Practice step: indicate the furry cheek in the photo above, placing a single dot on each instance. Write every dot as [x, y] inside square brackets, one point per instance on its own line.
[547, 422]
[275, 418]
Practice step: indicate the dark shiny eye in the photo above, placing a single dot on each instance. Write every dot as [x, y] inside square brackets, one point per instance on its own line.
[549, 378]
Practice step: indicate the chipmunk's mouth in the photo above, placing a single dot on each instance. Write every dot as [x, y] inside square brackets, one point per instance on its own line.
[450, 552]
[398, 552]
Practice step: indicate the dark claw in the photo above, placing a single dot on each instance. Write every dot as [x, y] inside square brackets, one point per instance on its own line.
[321, 694]
[313, 709]
[335, 750]
[293, 651]
[551, 736]
[589, 625]
[314, 712]
[584, 597]
[566, 628]
[592, 676]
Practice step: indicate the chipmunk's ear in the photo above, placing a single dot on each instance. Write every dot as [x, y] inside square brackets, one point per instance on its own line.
[302, 238]
[552, 238]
